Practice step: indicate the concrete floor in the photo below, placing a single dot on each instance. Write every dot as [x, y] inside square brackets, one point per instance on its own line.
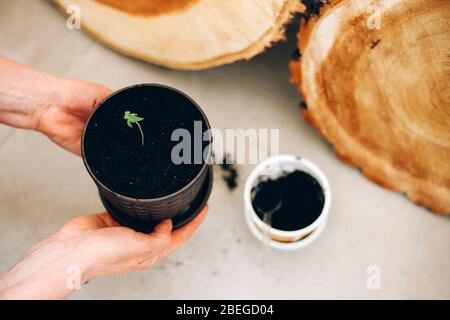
[42, 186]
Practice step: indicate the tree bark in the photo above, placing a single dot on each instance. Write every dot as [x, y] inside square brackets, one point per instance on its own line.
[375, 77]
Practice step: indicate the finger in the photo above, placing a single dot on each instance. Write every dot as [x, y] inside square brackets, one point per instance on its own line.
[83, 223]
[74, 148]
[86, 96]
[108, 220]
[186, 231]
[161, 236]
[163, 229]
[180, 236]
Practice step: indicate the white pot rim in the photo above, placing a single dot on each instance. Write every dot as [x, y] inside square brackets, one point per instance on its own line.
[311, 168]
[285, 246]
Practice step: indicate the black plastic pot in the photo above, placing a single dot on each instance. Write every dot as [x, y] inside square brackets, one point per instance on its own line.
[143, 214]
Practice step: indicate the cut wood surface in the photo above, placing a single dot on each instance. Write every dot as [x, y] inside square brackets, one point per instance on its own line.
[381, 96]
[186, 34]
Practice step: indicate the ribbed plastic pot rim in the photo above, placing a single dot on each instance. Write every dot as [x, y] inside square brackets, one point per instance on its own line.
[183, 189]
[314, 170]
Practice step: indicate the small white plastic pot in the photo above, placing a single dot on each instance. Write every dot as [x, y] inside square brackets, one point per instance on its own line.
[282, 239]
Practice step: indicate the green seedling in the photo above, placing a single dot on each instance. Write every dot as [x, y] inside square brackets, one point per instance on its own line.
[134, 118]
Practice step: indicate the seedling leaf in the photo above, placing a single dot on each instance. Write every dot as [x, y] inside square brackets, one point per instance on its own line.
[134, 118]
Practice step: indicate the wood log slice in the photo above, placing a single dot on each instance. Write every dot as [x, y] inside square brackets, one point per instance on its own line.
[186, 34]
[381, 96]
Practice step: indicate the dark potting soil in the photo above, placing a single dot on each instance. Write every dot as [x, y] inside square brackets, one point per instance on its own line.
[229, 172]
[114, 151]
[301, 197]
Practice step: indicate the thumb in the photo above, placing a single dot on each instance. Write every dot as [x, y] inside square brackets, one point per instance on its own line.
[86, 96]
[162, 234]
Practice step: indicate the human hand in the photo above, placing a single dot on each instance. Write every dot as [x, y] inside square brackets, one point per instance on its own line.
[94, 245]
[54, 106]
[63, 121]
[114, 249]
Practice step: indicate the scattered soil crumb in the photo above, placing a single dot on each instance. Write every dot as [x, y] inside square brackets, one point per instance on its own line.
[229, 172]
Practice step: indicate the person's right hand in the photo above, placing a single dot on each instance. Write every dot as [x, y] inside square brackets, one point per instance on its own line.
[115, 249]
[88, 247]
